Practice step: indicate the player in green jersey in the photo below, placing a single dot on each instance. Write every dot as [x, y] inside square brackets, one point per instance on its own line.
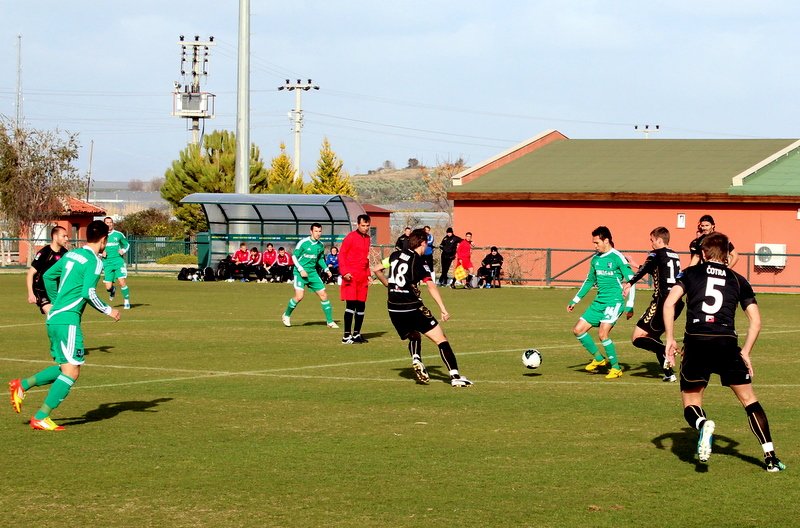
[114, 264]
[71, 282]
[309, 257]
[609, 271]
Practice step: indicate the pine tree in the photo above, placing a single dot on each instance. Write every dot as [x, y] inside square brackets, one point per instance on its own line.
[209, 169]
[329, 177]
[282, 179]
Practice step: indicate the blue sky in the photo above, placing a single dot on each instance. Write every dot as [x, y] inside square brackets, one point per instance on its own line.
[432, 80]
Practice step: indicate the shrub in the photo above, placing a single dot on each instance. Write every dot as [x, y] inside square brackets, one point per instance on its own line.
[178, 258]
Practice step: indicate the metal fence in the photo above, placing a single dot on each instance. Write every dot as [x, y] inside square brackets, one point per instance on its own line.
[522, 266]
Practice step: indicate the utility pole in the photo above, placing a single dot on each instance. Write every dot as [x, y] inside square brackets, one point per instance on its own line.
[296, 116]
[193, 104]
[89, 173]
[646, 130]
[241, 179]
[18, 121]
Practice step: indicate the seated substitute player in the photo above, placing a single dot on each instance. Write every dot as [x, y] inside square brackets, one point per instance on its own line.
[268, 259]
[241, 260]
[409, 316]
[607, 271]
[282, 269]
[665, 267]
[710, 344]
[114, 264]
[44, 259]
[308, 256]
[71, 283]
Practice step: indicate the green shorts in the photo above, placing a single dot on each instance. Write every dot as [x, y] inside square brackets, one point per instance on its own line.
[313, 281]
[114, 271]
[599, 313]
[66, 343]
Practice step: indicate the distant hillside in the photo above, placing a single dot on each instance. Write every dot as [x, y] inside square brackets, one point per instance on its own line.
[389, 185]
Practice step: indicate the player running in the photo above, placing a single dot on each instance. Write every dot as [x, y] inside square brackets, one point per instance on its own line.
[308, 257]
[710, 344]
[409, 316]
[43, 261]
[607, 271]
[71, 282]
[665, 266]
[114, 264]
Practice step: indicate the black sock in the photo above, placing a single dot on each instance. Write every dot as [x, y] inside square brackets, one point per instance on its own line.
[359, 316]
[759, 425]
[415, 347]
[349, 311]
[695, 416]
[449, 358]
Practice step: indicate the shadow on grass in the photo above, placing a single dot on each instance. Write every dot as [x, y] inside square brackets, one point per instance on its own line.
[105, 348]
[683, 445]
[107, 411]
[648, 370]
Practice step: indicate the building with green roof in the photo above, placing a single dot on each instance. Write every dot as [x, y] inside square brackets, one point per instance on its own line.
[552, 191]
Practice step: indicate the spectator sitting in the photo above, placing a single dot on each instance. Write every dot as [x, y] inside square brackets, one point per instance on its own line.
[268, 260]
[282, 269]
[255, 267]
[332, 261]
[241, 259]
[489, 273]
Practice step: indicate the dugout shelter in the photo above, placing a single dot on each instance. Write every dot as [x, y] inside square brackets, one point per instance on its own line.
[258, 219]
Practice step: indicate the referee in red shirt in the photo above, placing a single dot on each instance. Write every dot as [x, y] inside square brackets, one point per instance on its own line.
[354, 268]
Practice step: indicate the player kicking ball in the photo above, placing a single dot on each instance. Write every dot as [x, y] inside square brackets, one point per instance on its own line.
[409, 315]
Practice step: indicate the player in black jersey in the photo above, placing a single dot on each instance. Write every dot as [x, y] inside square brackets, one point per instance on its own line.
[705, 227]
[710, 344]
[44, 259]
[410, 317]
[665, 266]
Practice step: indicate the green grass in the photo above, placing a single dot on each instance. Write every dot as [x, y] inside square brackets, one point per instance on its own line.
[200, 409]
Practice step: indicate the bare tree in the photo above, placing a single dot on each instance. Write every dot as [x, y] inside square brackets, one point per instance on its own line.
[135, 185]
[155, 184]
[37, 175]
[438, 181]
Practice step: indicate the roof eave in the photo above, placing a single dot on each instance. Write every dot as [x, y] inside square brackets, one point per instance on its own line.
[619, 197]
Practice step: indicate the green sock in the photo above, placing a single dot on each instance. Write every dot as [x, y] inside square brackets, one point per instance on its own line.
[43, 377]
[290, 308]
[328, 309]
[588, 343]
[125, 294]
[58, 391]
[611, 352]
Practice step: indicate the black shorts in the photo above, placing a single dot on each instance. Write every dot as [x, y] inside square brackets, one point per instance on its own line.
[42, 299]
[706, 355]
[652, 320]
[420, 320]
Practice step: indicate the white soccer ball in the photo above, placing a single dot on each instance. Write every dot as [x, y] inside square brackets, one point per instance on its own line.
[532, 358]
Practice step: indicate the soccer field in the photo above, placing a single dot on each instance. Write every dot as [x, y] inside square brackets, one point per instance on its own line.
[200, 409]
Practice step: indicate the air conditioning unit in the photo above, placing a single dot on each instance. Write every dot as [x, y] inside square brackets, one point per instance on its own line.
[771, 255]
